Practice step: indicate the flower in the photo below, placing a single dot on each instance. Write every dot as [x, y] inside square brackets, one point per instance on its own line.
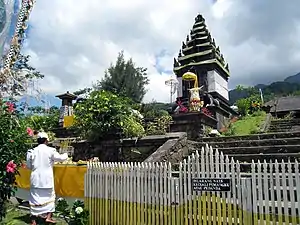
[11, 166]
[11, 107]
[60, 199]
[29, 131]
[78, 210]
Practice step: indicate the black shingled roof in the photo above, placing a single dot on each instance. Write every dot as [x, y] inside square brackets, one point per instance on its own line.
[284, 104]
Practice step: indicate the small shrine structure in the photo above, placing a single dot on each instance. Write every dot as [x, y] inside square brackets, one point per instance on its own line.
[202, 74]
[66, 109]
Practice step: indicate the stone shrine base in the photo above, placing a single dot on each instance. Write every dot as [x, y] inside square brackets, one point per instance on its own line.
[193, 123]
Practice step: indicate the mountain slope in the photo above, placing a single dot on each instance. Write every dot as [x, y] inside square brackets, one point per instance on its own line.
[289, 86]
[293, 79]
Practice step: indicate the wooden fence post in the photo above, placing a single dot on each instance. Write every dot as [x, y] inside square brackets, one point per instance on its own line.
[246, 203]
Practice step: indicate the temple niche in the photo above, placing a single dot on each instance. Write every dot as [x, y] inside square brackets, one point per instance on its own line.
[202, 75]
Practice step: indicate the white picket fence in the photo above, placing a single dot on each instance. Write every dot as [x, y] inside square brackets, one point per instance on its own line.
[153, 193]
[276, 192]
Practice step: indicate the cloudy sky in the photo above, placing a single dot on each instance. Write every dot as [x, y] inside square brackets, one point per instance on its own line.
[72, 42]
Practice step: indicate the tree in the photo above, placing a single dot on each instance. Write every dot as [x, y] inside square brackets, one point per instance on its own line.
[247, 103]
[125, 79]
[104, 113]
[41, 119]
[82, 91]
[155, 109]
[14, 84]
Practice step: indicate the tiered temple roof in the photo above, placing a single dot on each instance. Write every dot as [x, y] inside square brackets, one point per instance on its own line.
[201, 51]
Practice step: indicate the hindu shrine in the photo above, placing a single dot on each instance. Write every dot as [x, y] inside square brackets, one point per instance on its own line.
[66, 109]
[202, 74]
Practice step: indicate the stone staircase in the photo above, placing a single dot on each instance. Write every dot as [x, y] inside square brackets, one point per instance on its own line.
[281, 143]
[284, 125]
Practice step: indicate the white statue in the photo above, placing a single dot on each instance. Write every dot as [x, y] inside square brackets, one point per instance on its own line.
[195, 98]
[195, 93]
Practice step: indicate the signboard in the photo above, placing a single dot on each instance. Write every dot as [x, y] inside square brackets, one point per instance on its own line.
[218, 84]
[211, 184]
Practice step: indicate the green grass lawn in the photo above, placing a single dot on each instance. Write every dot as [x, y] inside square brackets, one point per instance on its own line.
[16, 216]
[250, 124]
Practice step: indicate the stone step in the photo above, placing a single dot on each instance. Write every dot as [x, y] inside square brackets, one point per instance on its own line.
[261, 149]
[249, 143]
[268, 157]
[261, 157]
[285, 121]
[287, 128]
[282, 125]
[273, 130]
[291, 121]
[272, 135]
[279, 130]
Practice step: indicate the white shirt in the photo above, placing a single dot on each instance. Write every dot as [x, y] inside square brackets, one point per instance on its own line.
[40, 161]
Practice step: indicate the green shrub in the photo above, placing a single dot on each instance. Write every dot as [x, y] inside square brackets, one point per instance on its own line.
[13, 148]
[243, 106]
[160, 125]
[104, 113]
[73, 215]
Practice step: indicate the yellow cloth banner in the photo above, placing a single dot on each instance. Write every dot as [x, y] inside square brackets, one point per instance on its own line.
[68, 180]
[68, 121]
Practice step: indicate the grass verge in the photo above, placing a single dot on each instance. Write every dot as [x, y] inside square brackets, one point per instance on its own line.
[246, 125]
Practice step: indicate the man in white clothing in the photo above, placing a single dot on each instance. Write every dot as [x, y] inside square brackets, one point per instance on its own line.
[40, 161]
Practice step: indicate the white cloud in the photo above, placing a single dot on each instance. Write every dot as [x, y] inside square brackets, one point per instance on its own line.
[73, 42]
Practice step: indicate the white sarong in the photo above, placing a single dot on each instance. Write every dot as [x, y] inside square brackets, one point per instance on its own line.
[41, 201]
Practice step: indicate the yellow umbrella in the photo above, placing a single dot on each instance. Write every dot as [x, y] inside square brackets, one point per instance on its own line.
[188, 76]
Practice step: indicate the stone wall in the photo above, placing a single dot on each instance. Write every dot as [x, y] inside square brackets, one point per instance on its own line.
[221, 120]
[192, 123]
[171, 151]
[126, 150]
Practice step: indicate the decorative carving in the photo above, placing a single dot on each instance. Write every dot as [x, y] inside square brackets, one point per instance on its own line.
[179, 54]
[210, 101]
[216, 102]
[214, 42]
[175, 64]
[213, 53]
[191, 32]
[209, 37]
[227, 67]
[222, 58]
[199, 18]
[187, 38]
[183, 45]
[218, 49]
